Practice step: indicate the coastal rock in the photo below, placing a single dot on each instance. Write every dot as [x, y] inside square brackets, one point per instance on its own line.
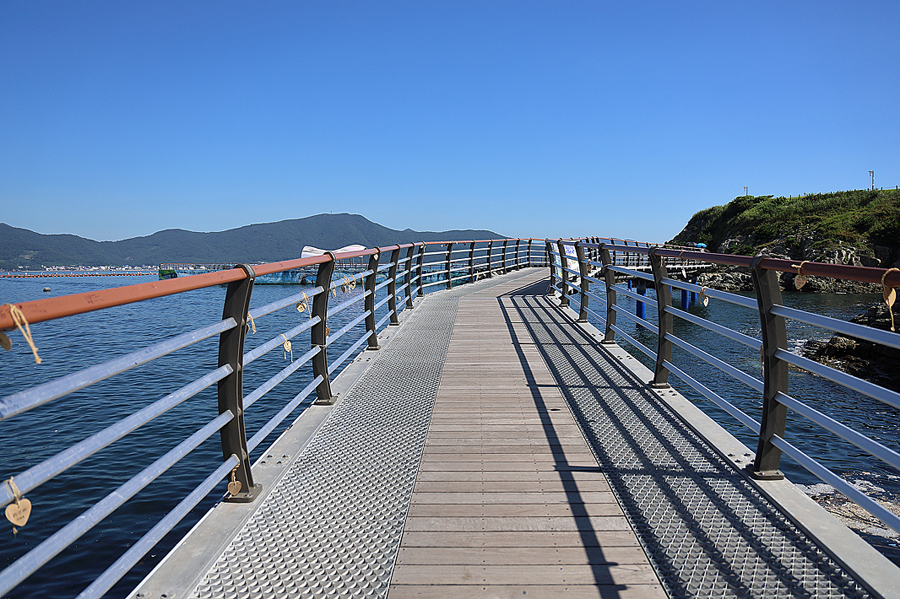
[863, 359]
[733, 280]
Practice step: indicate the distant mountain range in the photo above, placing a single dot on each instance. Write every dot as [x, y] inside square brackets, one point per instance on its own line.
[267, 242]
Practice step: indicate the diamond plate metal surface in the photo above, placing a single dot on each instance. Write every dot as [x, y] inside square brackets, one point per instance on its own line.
[332, 525]
[707, 531]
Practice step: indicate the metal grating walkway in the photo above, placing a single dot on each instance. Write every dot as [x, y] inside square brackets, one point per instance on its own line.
[333, 525]
[707, 531]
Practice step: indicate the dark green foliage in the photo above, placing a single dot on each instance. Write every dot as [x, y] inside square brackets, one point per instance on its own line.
[266, 242]
[855, 217]
[743, 250]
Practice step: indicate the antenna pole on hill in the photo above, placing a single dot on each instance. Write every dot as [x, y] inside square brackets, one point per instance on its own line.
[872, 174]
[746, 193]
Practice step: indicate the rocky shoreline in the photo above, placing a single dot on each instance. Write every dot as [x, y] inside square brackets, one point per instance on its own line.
[863, 359]
[738, 279]
[856, 518]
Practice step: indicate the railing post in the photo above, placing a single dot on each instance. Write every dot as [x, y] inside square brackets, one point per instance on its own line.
[609, 277]
[664, 320]
[420, 258]
[583, 271]
[472, 262]
[231, 388]
[449, 263]
[529, 261]
[490, 259]
[503, 269]
[407, 277]
[775, 372]
[319, 332]
[552, 265]
[392, 287]
[563, 274]
[518, 263]
[369, 300]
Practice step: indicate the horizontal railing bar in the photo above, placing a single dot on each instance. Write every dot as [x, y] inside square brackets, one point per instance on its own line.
[287, 301]
[80, 303]
[740, 300]
[597, 315]
[840, 326]
[631, 273]
[891, 398]
[636, 296]
[347, 303]
[426, 285]
[343, 330]
[593, 295]
[41, 473]
[846, 433]
[37, 557]
[747, 340]
[28, 399]
[634, 342]
[383, 284]
[279, 340]
[340, 360]
[714, 397]
[750, 381]
[384, 300]
[863, 500]
[285, 372]
[636, 319]
[275, 420]
[379, 324]
[121, 566]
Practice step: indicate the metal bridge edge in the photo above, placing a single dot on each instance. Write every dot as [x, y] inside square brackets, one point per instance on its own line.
[182, 569]
[867, 565]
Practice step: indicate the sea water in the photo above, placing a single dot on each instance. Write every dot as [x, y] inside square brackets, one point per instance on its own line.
[70, 344]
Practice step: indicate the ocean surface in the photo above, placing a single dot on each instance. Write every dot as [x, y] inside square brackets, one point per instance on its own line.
[81, 341]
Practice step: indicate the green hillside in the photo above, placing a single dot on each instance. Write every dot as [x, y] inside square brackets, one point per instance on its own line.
[801, 227]
[267, 242]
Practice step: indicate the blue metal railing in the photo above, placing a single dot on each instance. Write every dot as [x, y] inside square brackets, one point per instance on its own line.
[403, 269]
[573, 260]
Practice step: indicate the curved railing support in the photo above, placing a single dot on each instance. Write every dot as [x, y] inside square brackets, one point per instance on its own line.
[775, 372]
[319, 333]
[392, 287]
[553, 274]
[449, 264]
[231, 388]
[420, 258]
[563, 275]
[665, 320]
[472, 262]
[490, 259]
[585, 284]
[503, 266]
[369, 301]
[609, 277]
[407, 275]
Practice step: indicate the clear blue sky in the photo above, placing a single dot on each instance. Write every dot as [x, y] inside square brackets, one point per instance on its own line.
[556, 118]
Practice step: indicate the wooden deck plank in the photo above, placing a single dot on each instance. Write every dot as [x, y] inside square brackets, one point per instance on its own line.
[509, 500]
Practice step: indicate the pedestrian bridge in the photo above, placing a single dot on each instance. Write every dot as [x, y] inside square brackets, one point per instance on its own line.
[493, 442]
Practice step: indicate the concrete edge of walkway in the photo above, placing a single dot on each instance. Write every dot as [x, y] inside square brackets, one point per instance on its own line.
[182, 569]
[866, 564]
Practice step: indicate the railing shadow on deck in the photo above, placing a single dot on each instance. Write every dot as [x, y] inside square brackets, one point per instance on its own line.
[600, 566]
[662, 462]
